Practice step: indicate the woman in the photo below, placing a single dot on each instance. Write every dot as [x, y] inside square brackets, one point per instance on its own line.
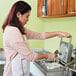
[17, 52]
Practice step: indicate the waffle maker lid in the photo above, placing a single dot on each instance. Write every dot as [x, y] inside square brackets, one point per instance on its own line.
[65, 49]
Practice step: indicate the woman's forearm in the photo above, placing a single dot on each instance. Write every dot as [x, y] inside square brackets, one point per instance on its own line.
[57, 33]
[50, 34]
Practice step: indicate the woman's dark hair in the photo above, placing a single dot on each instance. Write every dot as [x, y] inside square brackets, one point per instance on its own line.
[12, 19]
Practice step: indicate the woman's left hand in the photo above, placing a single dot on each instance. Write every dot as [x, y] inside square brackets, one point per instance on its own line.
[63, 34]
[51, 56]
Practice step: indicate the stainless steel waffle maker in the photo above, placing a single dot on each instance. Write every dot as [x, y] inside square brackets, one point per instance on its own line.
[65, 50]
[54, 68]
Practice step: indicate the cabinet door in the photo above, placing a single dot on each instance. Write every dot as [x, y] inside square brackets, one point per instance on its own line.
[71, 6]
[39, 10]
[49, 7]
[56, 7]
[65, 6]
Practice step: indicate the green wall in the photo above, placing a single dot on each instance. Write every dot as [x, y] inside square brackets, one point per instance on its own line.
[67, 24]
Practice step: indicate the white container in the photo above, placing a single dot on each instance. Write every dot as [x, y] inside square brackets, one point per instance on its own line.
[43, 11]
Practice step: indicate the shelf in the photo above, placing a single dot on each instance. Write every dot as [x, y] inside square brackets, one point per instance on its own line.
[56, 8]
[57, 16]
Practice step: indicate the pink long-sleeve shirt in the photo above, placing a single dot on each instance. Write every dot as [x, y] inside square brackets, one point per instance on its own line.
[14, 43]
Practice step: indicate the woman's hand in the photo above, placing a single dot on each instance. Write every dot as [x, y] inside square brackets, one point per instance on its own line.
[63, 34]
[51, 56]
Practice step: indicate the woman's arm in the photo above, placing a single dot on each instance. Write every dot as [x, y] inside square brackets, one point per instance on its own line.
[45, 35]
[18, 44]
[47, 56]
[58, 33]
[34, 35]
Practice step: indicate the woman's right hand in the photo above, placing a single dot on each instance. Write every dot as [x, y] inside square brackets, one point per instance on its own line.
[63, 34]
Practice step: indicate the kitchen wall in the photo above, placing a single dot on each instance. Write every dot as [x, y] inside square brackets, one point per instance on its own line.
[67, 24]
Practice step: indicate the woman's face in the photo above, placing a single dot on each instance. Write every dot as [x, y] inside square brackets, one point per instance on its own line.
[23, 18]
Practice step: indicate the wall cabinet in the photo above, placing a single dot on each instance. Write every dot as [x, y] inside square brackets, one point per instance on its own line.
[56, 8]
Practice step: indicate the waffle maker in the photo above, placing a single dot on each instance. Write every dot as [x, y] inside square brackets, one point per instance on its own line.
[65, 50]
[55, 68]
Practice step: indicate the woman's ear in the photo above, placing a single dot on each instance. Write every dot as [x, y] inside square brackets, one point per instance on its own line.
[18, 14]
